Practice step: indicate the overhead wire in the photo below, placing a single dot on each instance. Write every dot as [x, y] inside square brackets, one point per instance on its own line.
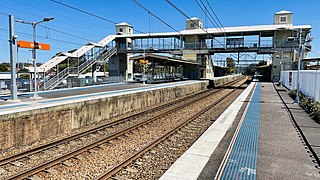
[216, 15]
[42, 37]
[59, 31]
[208, 14]
[154, 15]
[4, 14]
[211, 18]
[91, 14]
[184, 14]
[65, 33]
[62, 15]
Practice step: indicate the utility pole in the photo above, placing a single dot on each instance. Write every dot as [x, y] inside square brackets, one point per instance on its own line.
[35, 46]
[300, 56]
[12, 42]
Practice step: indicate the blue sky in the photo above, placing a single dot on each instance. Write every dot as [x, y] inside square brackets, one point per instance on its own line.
[87, 28]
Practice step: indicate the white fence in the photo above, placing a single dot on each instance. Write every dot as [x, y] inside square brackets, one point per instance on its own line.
[309, 82]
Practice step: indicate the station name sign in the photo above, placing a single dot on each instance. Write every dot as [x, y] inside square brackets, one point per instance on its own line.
[32, 45]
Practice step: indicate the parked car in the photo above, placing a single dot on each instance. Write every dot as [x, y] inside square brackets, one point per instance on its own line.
[137, 77]
[21, 83]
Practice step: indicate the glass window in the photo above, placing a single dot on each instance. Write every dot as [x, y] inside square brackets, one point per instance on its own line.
[120, 30]
[283, 19]
[192, 25]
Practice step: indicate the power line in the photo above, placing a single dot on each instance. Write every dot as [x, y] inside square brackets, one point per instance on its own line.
[4, 14]
[62, 15]
[65, 33]
[184, 14]
[53, 28]
[88, 13]
[215, 15]
[42, 37]
[211, 15]
[149, 12]
[213, 21]
[77, 9]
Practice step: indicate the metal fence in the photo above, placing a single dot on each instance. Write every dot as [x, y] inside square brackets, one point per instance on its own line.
[309, 82]
[88, 81]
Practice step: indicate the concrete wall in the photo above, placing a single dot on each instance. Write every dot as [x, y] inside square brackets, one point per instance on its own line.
[309, 82]
[218, 81]
[31, 126]
[28, 127]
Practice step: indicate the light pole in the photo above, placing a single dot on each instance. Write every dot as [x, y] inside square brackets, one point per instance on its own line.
[144, 66]
[301, 47]
[35, 46]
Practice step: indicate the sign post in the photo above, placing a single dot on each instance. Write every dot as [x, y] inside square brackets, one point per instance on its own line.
[34, 45]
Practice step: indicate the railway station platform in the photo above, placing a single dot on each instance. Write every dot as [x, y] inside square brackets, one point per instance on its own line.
[63, 111]
[255, 138]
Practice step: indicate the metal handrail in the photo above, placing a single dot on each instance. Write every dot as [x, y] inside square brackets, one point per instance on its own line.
[98, 56]
[282, 43]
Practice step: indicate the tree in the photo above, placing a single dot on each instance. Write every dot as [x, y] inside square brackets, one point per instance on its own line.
[230, 65]
[4, 67]
[251, 69]
[106, 67]
[230, 62]
[261, 63]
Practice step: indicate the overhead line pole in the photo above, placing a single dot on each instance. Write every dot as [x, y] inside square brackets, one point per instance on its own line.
[12, 41]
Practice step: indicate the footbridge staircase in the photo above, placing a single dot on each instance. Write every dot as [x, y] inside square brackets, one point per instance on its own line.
[86, 56]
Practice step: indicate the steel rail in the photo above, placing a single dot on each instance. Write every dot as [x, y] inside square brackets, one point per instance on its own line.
[47, 146]
[157, 141]
[85, 148]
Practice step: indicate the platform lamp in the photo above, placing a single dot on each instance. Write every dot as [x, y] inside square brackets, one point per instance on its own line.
[34, 24]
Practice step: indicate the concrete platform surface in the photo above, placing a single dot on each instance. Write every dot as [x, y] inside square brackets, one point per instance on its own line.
[68, 96]
[281, 154]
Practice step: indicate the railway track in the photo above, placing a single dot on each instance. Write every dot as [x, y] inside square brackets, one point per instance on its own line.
[20, 175]
[30, 152]
[194, 119]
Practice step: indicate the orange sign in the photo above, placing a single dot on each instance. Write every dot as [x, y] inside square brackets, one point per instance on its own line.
[144, 61]
[31, 45]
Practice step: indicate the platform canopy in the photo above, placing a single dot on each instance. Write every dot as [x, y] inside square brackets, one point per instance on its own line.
[160, 57]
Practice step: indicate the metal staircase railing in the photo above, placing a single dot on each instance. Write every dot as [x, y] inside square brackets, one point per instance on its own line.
[101, 55]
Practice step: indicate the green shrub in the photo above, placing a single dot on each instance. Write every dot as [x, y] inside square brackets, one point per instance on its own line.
[293, 94]
[311, 106]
